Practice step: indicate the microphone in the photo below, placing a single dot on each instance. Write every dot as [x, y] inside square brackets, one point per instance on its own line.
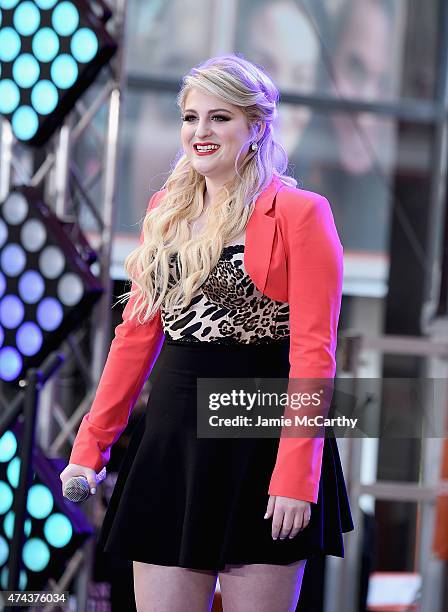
[77, 488]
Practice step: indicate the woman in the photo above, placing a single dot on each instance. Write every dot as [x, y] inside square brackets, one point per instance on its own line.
[238, 274]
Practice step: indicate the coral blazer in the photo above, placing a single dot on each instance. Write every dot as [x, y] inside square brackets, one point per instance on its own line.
[293, 253]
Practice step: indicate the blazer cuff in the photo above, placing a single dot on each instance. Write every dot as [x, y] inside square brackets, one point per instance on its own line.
[297, 471]
[92, 446]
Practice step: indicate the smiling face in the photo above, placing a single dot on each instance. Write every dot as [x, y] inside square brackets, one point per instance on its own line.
[222, 128]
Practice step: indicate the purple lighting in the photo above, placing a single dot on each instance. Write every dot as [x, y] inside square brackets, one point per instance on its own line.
[49, 314]
[10, 363]
[29, 339]
[11, 311]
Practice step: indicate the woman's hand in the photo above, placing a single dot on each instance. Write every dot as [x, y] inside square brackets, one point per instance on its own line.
[79, 470]
[289, 515]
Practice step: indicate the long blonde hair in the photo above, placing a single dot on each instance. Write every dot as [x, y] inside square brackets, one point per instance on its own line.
[166, 227]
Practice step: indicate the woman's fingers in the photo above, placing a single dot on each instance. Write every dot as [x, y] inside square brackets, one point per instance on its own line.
[288, 521]
[277, 522]
[73, 470]
[282, 522]
[307, 517]
[270, 507]
[298, 524]
[288, 517]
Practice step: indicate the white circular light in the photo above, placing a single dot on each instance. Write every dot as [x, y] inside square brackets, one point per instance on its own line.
[33, 235]
[15, 208]
[70, 289]
[51, 262]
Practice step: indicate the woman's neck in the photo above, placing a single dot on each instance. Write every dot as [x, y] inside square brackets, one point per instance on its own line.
[211, 190]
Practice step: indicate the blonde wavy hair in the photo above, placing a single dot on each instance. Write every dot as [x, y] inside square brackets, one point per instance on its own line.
[166, 227]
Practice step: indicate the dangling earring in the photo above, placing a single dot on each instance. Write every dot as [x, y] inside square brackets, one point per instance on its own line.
[254, 146]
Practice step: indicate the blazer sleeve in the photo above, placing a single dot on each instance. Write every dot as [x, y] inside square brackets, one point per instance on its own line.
[131, 357]
[315, 271]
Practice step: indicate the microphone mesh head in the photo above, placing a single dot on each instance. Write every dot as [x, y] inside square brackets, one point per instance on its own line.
[77, 489]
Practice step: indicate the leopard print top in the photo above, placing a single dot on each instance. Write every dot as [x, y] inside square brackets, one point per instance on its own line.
[228, 308]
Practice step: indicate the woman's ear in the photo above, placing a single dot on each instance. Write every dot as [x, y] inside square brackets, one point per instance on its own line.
[261, 126]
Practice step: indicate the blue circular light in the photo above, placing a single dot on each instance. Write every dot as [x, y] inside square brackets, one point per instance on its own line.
[9, 96]
[40, 501]
[25, 70]
[8, 4]
[26, 18]
[29, 339]
[58, 530]
[8, 446]
[4, 550]
[84, 45]
[31, 287]
[13, 472]
[65, 18]
[10, 44]
[2, 336]
[45, 45]
[49, 314]
[45, 4]
[23, 580]
[12, 260]
[2, 284]
[6, 497]
[8, 525]
[11, 311]
[64, 71]
[44, 97]
[25, 122]
[10, 363]
[36, 555]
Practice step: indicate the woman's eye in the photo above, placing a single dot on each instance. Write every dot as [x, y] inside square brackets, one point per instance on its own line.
[220, 117]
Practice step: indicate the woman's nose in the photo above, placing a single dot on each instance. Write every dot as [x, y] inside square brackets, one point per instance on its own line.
[203, 129]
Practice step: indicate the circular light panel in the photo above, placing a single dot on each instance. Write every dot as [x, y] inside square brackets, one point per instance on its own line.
[45, 45]
[11, 311]
[36, 555]
[31, 287]
[12, 259]
[70, 289]
[33, 235]
[8, 446]
[15, 208]
[51, 262]
[10, 363]
[25, 122]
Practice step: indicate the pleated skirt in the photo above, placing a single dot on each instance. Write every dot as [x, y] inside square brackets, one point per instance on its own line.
[186, 501]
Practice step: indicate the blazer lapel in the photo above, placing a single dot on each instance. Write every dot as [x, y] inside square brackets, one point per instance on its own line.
[260, 232]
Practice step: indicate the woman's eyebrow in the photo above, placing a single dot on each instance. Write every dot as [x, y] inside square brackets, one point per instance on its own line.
[214, 110]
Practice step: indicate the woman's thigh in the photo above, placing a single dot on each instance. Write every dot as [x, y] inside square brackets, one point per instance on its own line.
[160, 588]
[261, 587]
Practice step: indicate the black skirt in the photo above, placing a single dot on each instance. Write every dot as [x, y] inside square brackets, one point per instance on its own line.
[199, 503]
